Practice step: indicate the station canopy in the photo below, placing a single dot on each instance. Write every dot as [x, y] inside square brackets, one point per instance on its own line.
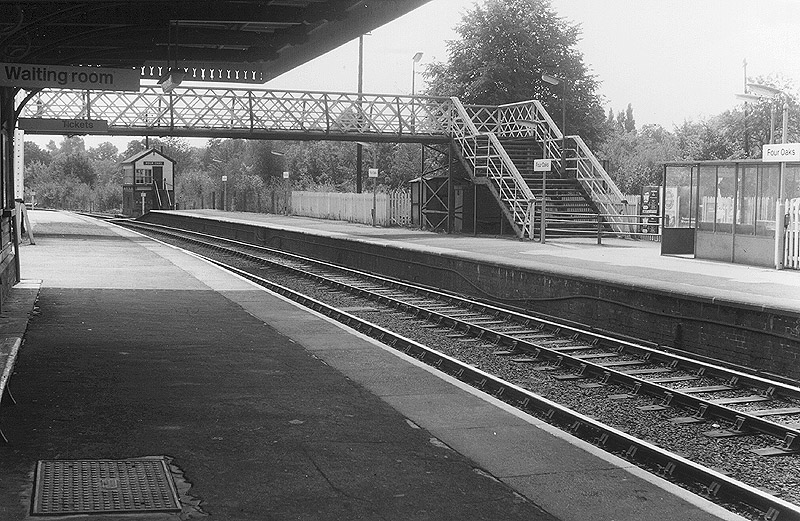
[244, 41]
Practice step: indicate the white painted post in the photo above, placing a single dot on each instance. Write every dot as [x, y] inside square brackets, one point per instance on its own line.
[780, 229]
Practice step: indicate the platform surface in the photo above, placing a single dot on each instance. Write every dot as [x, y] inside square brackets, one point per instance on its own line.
[272, 412]
[632, 262]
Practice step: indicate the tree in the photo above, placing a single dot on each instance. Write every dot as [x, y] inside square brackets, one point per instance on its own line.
[33, 153]
[504, 48]
[104, 152]
[634, 158]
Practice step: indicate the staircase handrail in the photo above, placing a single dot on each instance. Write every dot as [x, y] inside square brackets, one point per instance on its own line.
[588, 170]
[594, 178]
[516, 194]
[158, 195]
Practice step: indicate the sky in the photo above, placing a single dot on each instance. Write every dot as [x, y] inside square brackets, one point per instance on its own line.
[672, 60]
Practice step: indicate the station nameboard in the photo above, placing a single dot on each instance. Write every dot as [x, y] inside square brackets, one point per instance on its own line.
[37, 76]
[785, 152]
[63, 126]
[541, 165]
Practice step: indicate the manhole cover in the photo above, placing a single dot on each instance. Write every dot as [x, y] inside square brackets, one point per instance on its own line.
[107, 486]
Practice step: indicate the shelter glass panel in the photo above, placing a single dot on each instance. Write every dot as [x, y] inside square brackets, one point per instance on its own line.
[678, 196]
[726, 197]
[768, 185]
[706, 197]
[746, 199]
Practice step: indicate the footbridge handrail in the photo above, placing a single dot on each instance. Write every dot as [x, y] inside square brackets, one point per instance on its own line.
[213, 112]
[594, 178]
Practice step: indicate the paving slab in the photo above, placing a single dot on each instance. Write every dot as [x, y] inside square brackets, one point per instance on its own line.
[139, 349]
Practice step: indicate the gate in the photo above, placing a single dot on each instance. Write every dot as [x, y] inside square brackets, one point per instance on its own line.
[791, 241]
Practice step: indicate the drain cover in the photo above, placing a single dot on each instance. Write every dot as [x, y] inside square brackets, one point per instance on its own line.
[105, 486]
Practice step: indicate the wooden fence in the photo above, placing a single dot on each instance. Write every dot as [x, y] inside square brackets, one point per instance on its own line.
[391, 209]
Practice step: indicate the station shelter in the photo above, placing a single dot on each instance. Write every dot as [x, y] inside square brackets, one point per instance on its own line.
[728, 210]
[148, 183]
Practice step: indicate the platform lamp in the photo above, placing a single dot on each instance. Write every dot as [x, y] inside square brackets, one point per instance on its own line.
[414, 61]
[527, 123]
[373, 172]
[552, 80]
[224, 183]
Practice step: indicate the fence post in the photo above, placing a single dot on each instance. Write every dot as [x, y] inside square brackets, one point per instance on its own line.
[599, 229]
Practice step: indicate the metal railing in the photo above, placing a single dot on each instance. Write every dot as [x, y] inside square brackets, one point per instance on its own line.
[207, 110]
[627, 226]
[529, 118]
[484, 152]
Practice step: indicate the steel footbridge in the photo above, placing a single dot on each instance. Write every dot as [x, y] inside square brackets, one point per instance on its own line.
[496, 144]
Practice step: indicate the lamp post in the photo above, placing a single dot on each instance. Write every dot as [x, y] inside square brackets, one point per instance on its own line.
[224, 183]
[552, 80]
[542, 220]
[359, 151]
[285, 181]
[373, 173]
[414, 61]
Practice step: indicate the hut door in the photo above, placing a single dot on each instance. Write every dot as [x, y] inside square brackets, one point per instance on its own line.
[158, 176]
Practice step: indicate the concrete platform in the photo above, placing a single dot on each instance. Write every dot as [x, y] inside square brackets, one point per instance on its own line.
[631, 262]
[271, 411]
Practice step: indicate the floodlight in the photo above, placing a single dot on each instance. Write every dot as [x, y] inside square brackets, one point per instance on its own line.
[552, 80]
[748, 97]
[763, 90]
[417, 57]
[170, 80]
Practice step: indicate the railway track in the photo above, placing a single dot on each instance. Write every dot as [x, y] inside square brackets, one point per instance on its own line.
[698, 399]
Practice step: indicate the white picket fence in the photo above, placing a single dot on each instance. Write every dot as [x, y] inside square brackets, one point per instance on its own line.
[391, 209]
[791, 241]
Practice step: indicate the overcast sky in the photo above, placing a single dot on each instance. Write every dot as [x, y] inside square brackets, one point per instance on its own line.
[673, 60]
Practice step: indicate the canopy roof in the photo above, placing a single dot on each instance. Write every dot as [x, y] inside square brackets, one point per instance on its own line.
[253, 40]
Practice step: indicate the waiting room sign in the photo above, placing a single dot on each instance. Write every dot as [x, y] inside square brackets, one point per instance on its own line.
[37, 76]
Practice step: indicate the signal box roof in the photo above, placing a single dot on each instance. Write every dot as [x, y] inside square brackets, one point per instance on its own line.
[147, 152]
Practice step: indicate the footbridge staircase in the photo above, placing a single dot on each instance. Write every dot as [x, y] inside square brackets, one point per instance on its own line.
[495, 144]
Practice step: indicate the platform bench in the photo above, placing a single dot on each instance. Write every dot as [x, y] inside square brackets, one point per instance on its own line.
[9, 347]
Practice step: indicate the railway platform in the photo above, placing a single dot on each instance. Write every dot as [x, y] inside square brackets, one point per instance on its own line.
[268, 411]
[629, 262]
